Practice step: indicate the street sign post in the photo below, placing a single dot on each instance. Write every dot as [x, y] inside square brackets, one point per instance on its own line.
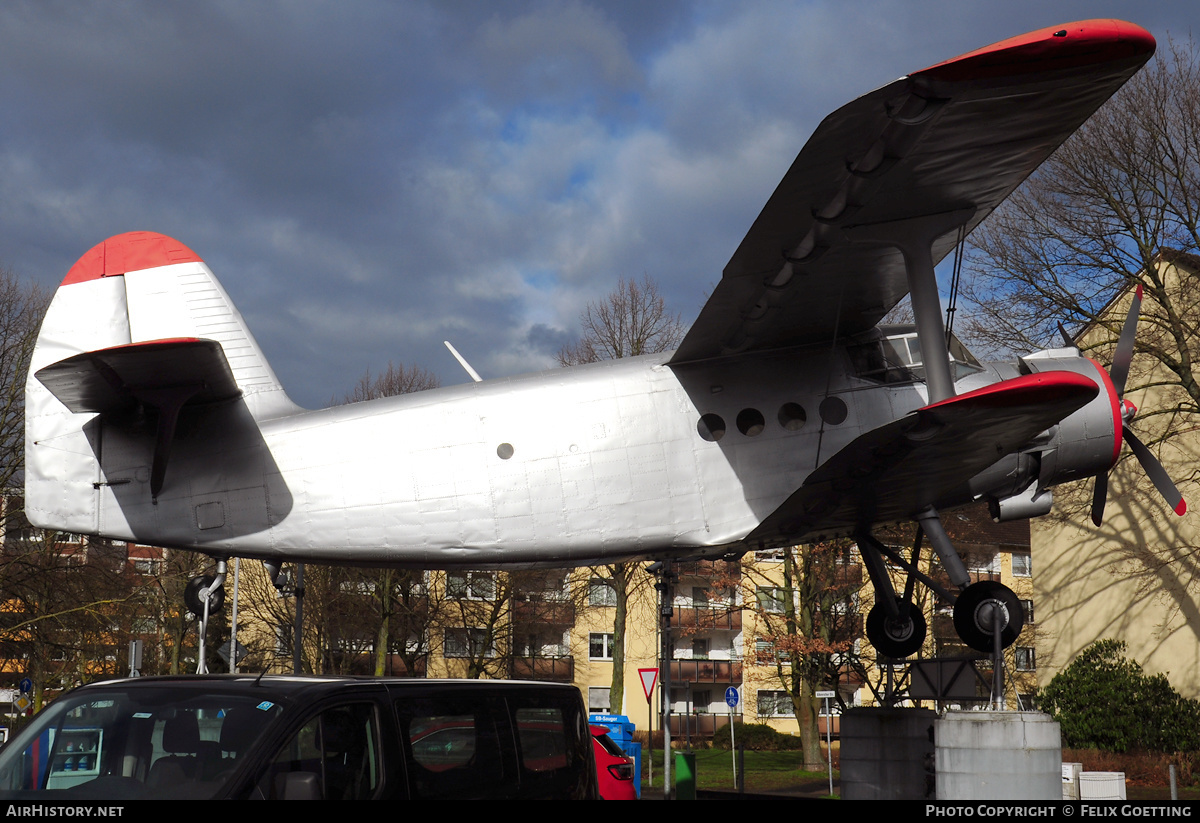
[827, 696]
[731, 700]
[649, 678]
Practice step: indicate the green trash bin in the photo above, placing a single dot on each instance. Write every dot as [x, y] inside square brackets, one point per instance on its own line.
[685, 775]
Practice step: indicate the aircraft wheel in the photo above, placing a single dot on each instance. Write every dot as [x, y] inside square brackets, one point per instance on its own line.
[191, 595]
[896, 637]
[975, 608]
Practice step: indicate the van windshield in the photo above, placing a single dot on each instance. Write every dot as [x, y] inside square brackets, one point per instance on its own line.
[144, 743]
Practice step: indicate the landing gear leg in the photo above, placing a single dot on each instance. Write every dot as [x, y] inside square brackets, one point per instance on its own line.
[204, 597]
[895, 627]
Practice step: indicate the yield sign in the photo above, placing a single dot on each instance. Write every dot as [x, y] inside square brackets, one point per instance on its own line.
[649, 679]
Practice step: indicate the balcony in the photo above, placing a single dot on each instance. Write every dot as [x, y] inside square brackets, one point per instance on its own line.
[548, 612]
[709, 569]
[706, 671]
[554, 669]
[706, 618]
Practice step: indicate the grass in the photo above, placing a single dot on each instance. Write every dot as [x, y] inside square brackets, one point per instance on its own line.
[765, 771]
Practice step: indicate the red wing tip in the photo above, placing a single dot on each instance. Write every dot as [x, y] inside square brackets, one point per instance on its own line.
[132, 251]
[1027, 388]
[1181, 509]
[1067, 46]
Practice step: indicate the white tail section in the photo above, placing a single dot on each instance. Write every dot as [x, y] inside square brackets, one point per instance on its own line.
[132, 288]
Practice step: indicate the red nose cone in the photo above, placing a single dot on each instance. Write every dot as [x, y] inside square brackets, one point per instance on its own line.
[1130, 409]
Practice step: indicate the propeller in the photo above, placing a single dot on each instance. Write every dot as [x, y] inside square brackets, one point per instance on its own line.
[1119, 374]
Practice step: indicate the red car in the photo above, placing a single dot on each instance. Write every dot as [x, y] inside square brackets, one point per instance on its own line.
[613, 767]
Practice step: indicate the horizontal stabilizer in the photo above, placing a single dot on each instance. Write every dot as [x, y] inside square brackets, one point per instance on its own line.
[165, 374]
[894, 471]
[113, 379]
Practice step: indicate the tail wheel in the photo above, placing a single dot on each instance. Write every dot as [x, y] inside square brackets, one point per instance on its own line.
[191, 595]
[897, 637]
[980, 604]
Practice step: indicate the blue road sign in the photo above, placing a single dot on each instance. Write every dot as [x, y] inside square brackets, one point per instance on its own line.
[731, 697]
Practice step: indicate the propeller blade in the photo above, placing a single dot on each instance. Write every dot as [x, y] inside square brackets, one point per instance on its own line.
[1123, 356]
[1067, 341]
[1156, 473]
[1098, 497]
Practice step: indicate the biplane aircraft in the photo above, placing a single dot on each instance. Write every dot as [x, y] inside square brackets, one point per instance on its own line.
[786, 415]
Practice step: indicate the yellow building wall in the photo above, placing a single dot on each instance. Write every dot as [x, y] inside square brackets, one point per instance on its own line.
[1136, 578]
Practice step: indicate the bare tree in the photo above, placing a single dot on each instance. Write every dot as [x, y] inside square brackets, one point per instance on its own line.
[61, 605]
[21, 309]
[402, 608]
[1116, 206]
[633, 320]
[397, 379]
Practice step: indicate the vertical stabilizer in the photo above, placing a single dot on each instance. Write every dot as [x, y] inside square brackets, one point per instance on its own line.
[132, 288]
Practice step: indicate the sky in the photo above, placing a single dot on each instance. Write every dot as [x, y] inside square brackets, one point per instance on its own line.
[368, 179]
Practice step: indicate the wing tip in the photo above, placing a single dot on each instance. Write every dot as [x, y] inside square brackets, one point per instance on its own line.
[1086, 42]
[131, 251]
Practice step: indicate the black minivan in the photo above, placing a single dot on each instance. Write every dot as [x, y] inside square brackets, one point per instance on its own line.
[292, 737]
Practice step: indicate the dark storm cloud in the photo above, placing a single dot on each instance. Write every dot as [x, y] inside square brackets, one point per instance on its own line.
[368, 179]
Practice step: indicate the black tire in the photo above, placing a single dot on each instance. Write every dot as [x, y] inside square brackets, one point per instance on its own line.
[191, 596]
[896, 637]
[972, 615]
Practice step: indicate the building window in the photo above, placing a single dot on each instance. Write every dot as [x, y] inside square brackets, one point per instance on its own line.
[700, 648]
[774, 704]
[144, 625]
[1022, 564]
[468, 643]
[601, 594]
[699, 597]
[765, 653]
[547, 643]
[599, 701]
[1026, 659]
[983, 563]
[701, 700]
[772, 599]
[1027, 605]
[470, 585]
[600, 646]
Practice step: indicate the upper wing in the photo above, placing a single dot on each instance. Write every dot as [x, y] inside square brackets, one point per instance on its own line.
[959, 135]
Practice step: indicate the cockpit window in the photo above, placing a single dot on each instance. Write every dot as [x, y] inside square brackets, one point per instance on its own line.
[892, 354]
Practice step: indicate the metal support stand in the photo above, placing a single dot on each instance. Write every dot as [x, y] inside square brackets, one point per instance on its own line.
[666, 603]
[205, 598]
[997, 660]
[298, 627]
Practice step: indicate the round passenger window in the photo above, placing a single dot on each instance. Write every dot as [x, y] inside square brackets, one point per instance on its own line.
[750, 422]
[792, 416]
[711, 427]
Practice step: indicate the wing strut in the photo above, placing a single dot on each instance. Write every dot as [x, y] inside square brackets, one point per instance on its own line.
[913, 237]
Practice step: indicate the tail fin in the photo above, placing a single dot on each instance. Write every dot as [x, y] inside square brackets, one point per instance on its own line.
[130, 289]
